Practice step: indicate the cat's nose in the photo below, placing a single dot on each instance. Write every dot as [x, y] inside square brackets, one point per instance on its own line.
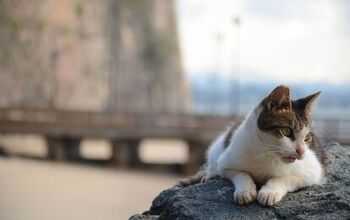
[300, 151]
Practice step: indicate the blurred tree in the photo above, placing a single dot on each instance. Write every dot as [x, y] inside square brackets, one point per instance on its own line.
[119, 56]
[145, 69]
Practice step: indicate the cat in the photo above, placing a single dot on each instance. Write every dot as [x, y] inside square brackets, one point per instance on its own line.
[274, 146]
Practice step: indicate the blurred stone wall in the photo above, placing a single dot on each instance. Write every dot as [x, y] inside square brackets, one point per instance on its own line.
[119, 56]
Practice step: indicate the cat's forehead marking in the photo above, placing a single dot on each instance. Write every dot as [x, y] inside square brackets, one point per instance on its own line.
[269, 120]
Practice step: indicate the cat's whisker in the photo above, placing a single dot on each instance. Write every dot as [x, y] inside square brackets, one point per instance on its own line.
[271, 145]
[267, 153]
[274, 149]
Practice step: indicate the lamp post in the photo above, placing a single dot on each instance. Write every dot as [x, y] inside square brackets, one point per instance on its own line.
[213, 102]
[236, 25]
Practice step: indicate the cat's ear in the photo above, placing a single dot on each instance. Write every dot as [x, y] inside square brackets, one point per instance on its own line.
[305, 104]
[278, 99]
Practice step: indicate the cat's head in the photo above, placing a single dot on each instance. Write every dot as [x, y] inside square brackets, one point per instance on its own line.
[285, 125]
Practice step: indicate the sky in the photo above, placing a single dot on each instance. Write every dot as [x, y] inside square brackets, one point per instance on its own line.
[289, 41]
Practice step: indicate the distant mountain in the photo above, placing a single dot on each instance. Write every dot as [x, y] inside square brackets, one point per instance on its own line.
[216, 94]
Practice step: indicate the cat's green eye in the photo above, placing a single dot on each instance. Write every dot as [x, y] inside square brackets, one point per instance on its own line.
[287, 132]
[308, 137]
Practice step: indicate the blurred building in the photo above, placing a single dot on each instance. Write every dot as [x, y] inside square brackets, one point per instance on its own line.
[119, 56]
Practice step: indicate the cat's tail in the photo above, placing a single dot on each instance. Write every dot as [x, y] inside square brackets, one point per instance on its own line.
[197, 178]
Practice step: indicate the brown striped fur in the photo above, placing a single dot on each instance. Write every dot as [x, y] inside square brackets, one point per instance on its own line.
[228, 136]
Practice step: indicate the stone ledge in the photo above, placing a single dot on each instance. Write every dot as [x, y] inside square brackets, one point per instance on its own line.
[214, 199]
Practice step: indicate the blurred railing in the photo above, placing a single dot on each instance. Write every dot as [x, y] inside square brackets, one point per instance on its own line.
[64, 130]
[97, 124]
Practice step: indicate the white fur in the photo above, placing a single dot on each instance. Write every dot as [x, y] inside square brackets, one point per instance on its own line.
[253, 157]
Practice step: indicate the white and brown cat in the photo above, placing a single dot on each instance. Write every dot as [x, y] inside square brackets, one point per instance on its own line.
[275, 147]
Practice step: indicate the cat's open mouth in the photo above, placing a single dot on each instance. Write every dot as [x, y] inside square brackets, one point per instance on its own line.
[289, 159]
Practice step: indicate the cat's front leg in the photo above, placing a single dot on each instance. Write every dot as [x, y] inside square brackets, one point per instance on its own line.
[275, 188]
[245, 188]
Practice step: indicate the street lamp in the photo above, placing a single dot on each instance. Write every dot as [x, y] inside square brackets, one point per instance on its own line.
[236, 25]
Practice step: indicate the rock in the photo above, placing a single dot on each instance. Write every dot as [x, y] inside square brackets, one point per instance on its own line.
[214, 199]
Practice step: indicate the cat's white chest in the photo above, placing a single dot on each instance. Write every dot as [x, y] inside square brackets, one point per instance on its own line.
[261, 167]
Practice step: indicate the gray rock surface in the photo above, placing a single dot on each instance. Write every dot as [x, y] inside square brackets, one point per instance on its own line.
[214, 199]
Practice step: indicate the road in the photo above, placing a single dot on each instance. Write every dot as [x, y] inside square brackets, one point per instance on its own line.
[35, 190]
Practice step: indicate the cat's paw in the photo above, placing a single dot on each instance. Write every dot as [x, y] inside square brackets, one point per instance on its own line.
[243, 197]
[269, 197]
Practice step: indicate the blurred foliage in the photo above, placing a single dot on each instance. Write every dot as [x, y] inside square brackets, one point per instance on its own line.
[21, 63]
[65, 53]
[136, 4]
[160, 46]
[79, 9]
